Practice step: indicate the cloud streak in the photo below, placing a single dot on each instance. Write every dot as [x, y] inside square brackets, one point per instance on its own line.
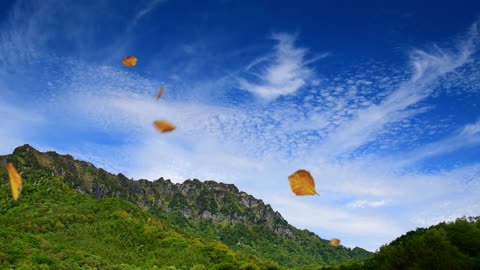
[144, 12]
[369, 123]
[469, 135]
[285, 72]
[334, 125]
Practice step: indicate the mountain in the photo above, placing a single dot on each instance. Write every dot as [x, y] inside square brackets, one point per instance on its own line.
[210, 211]
[448, 246]
[54, 227]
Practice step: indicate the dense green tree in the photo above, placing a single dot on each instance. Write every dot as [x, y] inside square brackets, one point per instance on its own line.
[444, 246]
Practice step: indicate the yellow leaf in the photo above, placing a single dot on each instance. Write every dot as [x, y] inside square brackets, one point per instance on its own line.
[301, 183]
[129, 61]
[15, 181]
[163, 126]
[335, 242]
[160, 92]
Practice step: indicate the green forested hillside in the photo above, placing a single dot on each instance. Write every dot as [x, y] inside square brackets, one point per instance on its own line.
[73, 214]
[54, 227]
[305, 249]
[449, 246]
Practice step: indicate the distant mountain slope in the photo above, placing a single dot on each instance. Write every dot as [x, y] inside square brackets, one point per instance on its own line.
[207, 209]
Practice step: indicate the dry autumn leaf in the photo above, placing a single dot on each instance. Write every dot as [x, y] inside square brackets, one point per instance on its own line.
[129, 61]
[301, 183]
[163, 126]
[335, 242]
[160, 92]
[15, 181]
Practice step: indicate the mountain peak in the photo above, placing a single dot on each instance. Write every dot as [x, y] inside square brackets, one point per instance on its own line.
[211, 200]
[196, 201]
[24, 148]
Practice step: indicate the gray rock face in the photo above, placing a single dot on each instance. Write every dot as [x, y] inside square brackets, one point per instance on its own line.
[99, 190]
[248, 200]
[208, 200]
[224, 202]
[220, 203]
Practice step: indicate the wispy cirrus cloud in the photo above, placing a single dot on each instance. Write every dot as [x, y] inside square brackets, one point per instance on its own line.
[368, 123]
[468, 135]
[325, 217]
[18, 125]
[366, 203]
[148, 8]
[104, 114]
[284, 72]
[20, 39]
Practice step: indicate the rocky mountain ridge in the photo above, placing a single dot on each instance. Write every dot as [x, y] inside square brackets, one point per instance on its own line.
[208, 209]
[209, 200]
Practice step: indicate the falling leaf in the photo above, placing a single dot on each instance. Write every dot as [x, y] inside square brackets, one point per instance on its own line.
[15, 181]
[335, 242]
[301, 183]
[163, 126]
[129, 61]
[160, 92]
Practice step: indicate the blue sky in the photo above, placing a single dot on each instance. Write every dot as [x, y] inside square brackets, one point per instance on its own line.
[380, 102]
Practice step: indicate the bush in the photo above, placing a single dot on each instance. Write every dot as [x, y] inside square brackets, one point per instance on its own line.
[225, 266]
[198, 267]
[249, 266]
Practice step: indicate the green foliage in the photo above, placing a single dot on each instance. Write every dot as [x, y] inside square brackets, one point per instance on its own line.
[53, 227]
[198, 267]
[452, 246]
[248, 266]
[304, 249]
[84, 209]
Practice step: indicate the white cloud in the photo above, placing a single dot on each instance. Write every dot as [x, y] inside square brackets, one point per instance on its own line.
[153, 4]
[285, 73]
[365, 199]
[325, 218]
[366, 203]
[20, 39]
[18, 126]
[370, 122]
[469, 135]
[471, 130]
[244, 146]
[329, 221]
[451, 194]
[145, 11]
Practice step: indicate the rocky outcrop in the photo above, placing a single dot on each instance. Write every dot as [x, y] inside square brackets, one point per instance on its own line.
[255, 226]
[208, 200]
